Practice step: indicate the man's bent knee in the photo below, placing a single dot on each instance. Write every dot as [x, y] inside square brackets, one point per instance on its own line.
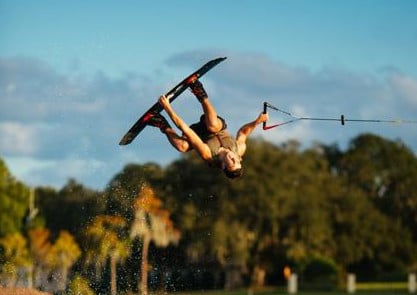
[215, 126]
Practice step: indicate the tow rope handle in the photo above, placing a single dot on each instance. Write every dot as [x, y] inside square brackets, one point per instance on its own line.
[265, 110]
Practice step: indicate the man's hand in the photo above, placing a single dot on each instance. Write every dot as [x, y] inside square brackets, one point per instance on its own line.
[164, 102]
[192, 138]
[263, 117]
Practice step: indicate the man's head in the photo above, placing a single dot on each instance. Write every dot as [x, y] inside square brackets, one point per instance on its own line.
[231, 164]
[233, 174]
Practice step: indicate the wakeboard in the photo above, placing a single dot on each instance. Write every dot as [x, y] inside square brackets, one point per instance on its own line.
[140, 124]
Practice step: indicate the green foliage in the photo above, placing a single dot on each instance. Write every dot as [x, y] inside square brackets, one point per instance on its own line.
[70, 208]
[14, 256]
[65, 251]
[387, 172]
[126, 185]
[14, 202]
[231, 242]
[151, 223]
[320, 273]
[79, 286]
[106, 240]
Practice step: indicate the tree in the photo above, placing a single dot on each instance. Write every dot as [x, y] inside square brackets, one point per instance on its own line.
[40, 245]
[358, 226]
[14, 202]
[152, 224]
[206, 206]
[63, 254]
[105, 234]
[231, 244]
[195, 195]
[69, 208]
[79, 286]
[125, 186]
[14, 256]
[282, 202]
[386, 172]
[253, 210]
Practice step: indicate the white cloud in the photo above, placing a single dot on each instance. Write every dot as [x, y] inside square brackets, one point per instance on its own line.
[404, 87]
[10, 88]
[17, 138]
[26, 169]
[34, 171]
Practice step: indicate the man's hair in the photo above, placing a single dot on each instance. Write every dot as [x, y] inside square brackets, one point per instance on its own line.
[233, 174]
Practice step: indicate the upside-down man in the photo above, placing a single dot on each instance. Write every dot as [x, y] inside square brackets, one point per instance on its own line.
[209, 137]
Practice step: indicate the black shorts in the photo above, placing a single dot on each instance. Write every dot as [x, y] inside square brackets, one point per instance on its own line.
[201, 128]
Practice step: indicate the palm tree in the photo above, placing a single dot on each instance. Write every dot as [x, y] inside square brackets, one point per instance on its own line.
[40, 246]
[15, 256]
[63, 255]
[103, 233]
[151, 224]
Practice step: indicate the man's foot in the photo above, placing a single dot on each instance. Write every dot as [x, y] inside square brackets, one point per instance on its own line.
[157, 120]
[198, 90]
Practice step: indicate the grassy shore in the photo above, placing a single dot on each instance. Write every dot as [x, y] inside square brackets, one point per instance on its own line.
[395, 288]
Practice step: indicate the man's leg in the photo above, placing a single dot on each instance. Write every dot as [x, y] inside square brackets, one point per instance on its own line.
[213, 123]
[178, 142]
[158, 121]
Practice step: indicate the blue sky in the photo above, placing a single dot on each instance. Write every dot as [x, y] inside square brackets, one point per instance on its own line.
[75, 75]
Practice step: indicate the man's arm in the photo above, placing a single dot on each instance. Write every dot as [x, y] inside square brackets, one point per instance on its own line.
[246, 130]
[202, 148]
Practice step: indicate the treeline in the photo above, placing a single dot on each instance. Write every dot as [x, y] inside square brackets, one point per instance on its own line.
[320, 211]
